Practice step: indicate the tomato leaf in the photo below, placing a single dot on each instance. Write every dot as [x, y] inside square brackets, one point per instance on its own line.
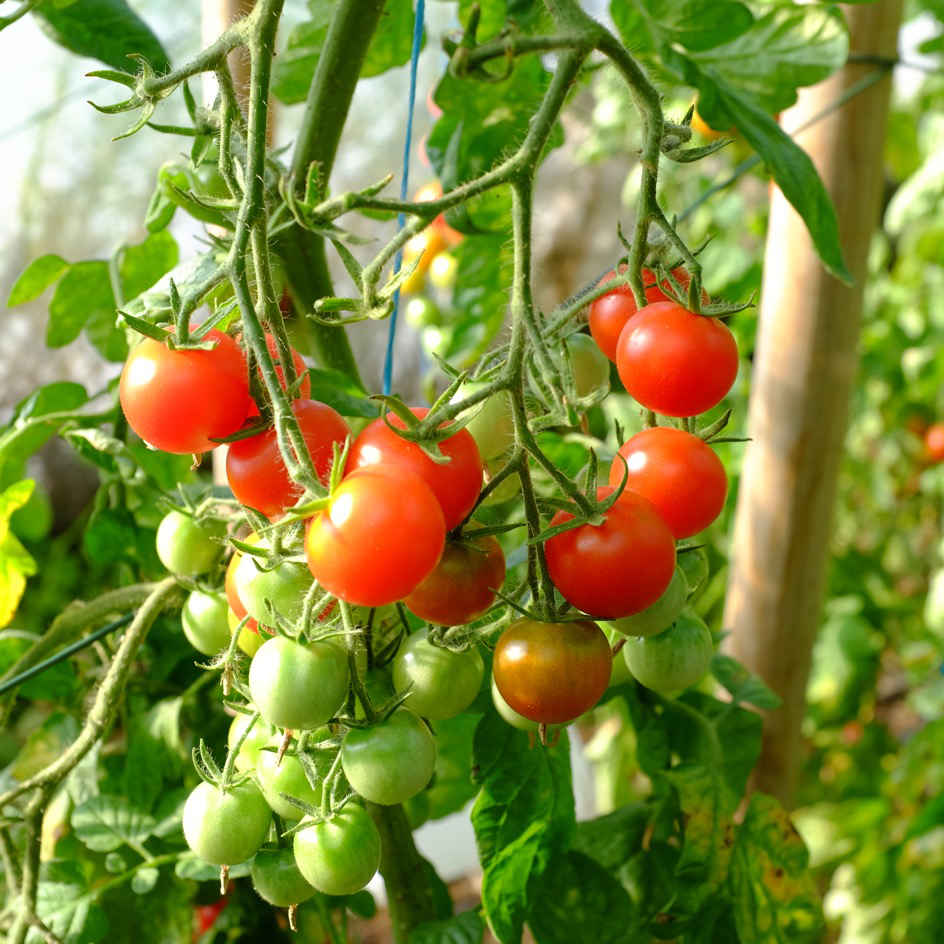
[452, 786]
[393, 41]
[340, 392]
[775, 894]
[107, 30]
[16, 563]
[465, 928]
[106, 822]
[294, 67]
[743, 685]
[524, 813]
[83, 293]
[695, 24]
[140, 266]
[576, 899]
[36, 278]
[613, 839]
[66, 905]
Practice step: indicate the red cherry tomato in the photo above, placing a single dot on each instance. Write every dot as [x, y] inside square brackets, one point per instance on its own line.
[616, 568]
[678, 473]
[463, 585]
[434, 191]
[205, 916]
[674, 361]
[456, 484]
[610, 312]
[552, 672]
[179, 401]
[254, 466]
[304, 390]
[934, 442]
[229, 584]
[380, 536]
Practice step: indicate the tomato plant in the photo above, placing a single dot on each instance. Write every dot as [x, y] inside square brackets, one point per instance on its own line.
[339, 855]
[254, 467]
[462, 585]
[204, 622]
[378, 539]
[286, 777]
[392, 760]
[675, 659]
[181, 400]
[615, 568]
[678, 472]
[455, 483]
[265, 592]
[441, 683]
[187, 546]
[276, 878]
[676, 362]
[551, 672]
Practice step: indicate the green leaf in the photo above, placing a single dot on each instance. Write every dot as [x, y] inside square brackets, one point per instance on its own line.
[105, 823]
[465, 928]
[82, 294]
[44, 745]
[338, 390]
[294, 68]
[142, 265]
[36, 278]
[393, 40]
[613, 839]
[743, 685]
[576, 899]
[695, 24]
[156, 753]
[16, 563]
[528, 16]
[58, 682]
[775, 896]
[65, 904]
[452, 786]
[524, 813]
[107, 30]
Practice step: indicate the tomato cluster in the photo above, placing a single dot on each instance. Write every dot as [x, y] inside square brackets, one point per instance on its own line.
[338, 699]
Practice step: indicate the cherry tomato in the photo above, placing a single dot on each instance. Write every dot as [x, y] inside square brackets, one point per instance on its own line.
[694, 564]
[179, 401]
[456, 483]
[284, 777]
[281, 589]
[674, 361]
[340, 855]
[610, 312]
[462, 586]
[934, 442]
[443, 270]
[491, 424]
[678, 472]
[390, 761]
[433, 191]
[277, 879]
[259, 735]
[590, 368]
[298, 686]
[442, 683]
[254, 467]
[551, 672]
[205, 916]
[380, 536]
[658, 616]
[204, 621]
[675, 659]
[187, 547]
[618, 567]
[229, 585]
[226, 828]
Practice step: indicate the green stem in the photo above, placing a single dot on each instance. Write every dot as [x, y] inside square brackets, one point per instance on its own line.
[409, 896]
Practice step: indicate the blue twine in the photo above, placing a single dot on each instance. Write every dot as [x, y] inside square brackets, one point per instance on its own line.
[404, 186]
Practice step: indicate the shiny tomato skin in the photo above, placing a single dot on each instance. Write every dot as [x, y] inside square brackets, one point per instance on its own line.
[678, 472]
[277, 880]
[934, 442]
[226, 828]
[675, 362]
[618, 567]
[462, 586]
[254, 467]
[552, 672]
[609, 313]
[456, 484]
[339, 855]
[177, 401]
[380, 536]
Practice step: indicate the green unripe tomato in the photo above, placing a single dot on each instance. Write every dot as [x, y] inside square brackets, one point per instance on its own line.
[261, 733]
[491, 424]
[673, 660]
[422, 312]
[619, 674]
[339, 856]
[658, 616]
[694, 565]
[443, 269]
[284, 588]
[205, 621]
[391, 761]
[508, 488]
[276, 878]
[226, 828]
[187, 547]
[590, 365]
[287, 777]
[444, 683]
[297, 686]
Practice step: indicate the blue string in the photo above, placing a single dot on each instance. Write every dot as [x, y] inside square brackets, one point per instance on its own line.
[404, 187]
